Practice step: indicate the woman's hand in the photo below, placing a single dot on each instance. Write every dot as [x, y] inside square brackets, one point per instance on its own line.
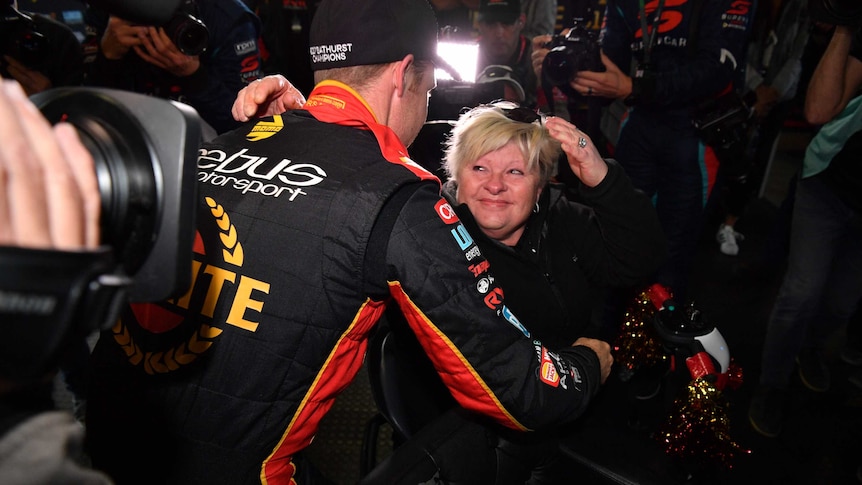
[583, 156]
[270, 95]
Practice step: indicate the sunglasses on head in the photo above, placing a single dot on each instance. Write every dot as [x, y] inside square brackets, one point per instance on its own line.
[519, 113]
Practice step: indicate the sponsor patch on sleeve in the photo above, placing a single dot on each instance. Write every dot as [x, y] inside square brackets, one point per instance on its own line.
[446, 212]
[245, 47]
[548, 371]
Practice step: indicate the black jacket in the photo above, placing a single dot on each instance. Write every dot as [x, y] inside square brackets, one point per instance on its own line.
[570, 252]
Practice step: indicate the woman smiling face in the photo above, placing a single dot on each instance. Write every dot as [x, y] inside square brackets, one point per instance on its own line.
[500, 192]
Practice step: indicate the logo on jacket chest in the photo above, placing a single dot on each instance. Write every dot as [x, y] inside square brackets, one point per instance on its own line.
[255, 174]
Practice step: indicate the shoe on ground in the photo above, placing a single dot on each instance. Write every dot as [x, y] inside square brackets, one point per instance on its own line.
[851, 356]
[766, 411]
[727, 239]
[813, 371]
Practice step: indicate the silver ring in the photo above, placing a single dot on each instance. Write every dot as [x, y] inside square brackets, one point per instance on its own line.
[582, 142]
[590, 91]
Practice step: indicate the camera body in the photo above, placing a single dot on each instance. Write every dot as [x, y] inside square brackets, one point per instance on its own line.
[724, 120]
[578, 50]
[186, 31]
[20, 38]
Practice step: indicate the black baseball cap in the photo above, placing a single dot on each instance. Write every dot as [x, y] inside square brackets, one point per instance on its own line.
[362, 32]
[503, 11]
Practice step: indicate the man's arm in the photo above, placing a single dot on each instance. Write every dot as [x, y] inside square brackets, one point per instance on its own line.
[836, 79]
[482, 352]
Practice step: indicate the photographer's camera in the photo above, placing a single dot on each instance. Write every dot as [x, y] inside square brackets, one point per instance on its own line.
[569, 54]
[187, 31]
[21, 39]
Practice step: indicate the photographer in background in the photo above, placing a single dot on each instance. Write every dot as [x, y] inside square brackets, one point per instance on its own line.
[772, 76]
[38, 52]
[502, 42]
[823, 281]
[573, 48]
[691, 52]
[202, 57]
[39, 445]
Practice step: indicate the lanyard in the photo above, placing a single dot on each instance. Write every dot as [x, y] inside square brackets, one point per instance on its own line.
[649, 39]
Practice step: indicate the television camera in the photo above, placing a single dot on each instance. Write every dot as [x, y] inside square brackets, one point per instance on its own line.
[145, 152]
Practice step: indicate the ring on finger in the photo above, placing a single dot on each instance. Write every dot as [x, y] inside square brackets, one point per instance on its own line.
[582, 142]
[589, 91]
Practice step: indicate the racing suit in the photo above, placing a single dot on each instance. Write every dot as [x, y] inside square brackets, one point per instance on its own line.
[309, 223]
[690, 61]
[231, 61]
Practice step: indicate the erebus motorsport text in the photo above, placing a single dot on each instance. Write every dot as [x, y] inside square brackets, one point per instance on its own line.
[255, 174]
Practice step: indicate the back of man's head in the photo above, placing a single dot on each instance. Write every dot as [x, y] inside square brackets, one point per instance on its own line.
[348, 33]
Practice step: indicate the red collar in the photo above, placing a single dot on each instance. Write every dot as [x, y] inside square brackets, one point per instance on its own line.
[335, 102]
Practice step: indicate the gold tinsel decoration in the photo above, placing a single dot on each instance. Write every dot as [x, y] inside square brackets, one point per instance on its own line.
[638, 345]
[697, 430]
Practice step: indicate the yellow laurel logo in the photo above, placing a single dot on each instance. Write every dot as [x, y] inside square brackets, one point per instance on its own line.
[164, 362]
[265, 129]
[200, 341]
[232, 251]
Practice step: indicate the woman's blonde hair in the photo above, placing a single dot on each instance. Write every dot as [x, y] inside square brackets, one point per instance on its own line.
[489, 127]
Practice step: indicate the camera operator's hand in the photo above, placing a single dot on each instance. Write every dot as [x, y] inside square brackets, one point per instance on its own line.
[583, 156]
[50, 197]
[270, 95]
[602, 350]
[540, 51]
[31, 80]
[158, 49]
[612, 83]
[119, 37]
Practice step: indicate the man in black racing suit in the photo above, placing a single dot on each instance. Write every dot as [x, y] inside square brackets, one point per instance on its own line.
[309, 223]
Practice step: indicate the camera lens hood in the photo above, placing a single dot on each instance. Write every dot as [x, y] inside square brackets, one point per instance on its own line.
[145, 152]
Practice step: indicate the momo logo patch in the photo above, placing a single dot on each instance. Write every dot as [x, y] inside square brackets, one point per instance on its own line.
[265, 129]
